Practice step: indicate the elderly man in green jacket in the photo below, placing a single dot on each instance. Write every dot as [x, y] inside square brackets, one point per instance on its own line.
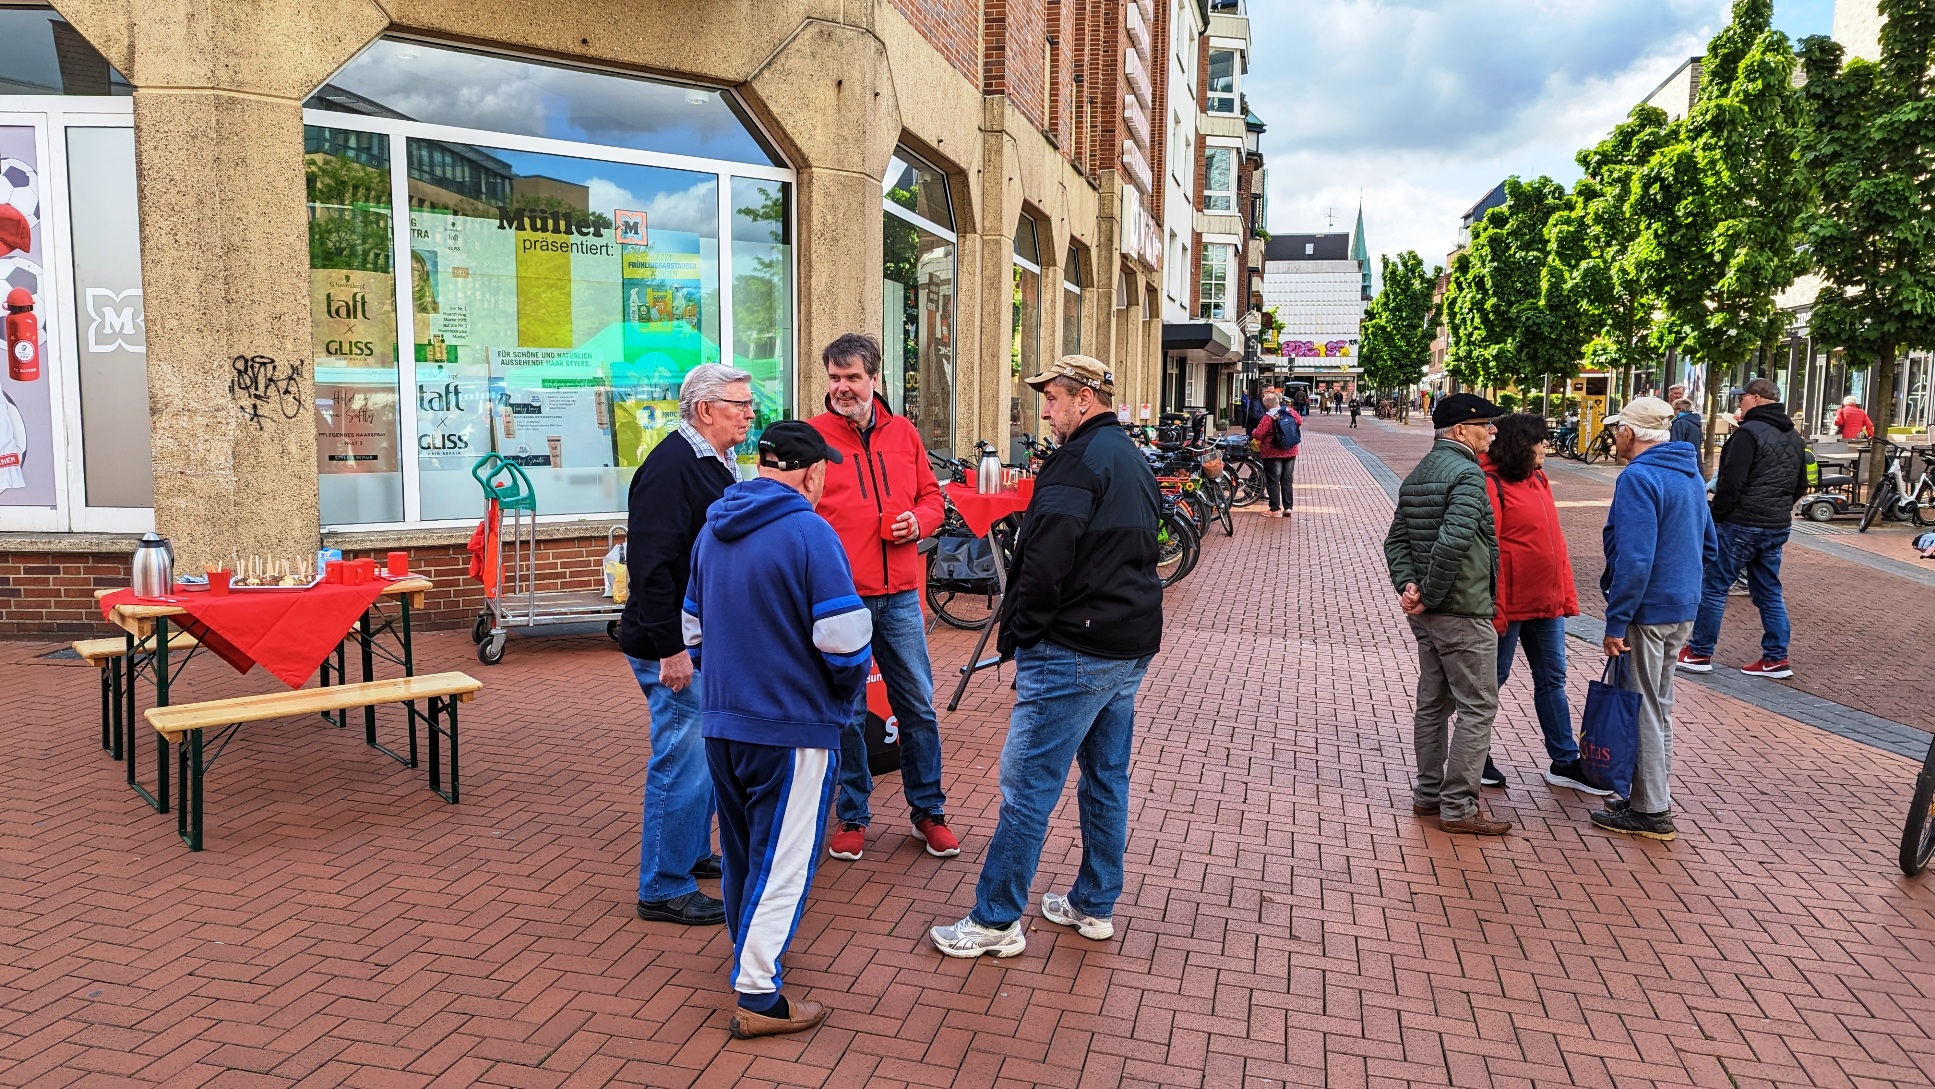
[1443, 554]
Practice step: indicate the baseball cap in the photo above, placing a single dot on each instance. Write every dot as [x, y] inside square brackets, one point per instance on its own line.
[1087, 370]
[1463, 408]
[794, 444]
[1650, 413]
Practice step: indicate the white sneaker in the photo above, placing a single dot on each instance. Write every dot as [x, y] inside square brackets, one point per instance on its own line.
[968, 938]
[1056, 909]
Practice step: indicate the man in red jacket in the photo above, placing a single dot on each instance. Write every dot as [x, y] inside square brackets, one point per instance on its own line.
[881, 500]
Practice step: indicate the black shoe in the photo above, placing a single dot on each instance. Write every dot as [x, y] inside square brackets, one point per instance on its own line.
[1573, 777]
[1491, 776]
[1634, 823]
[695, 908]
[708, 867]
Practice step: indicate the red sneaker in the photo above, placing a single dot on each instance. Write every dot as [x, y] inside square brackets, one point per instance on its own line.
[1695, 663]
[848, 842]
[940, 842]
[1767, 667]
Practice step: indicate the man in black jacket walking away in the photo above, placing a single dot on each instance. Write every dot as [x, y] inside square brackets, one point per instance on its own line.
[682, 476]
[1082, 618]
[1763, 473]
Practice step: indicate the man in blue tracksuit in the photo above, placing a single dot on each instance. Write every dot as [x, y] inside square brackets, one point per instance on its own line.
[1658, 535]
[784, 639]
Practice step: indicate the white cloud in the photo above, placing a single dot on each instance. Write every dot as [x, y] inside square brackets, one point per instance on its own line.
[694, 209]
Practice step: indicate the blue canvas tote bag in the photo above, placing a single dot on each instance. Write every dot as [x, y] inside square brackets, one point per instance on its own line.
[1609, 735]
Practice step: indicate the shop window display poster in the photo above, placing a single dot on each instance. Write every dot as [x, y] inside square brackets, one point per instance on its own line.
[353, 318]
[26, 412]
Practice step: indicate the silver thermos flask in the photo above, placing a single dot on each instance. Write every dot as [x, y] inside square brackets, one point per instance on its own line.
[154, 567]
[988, 480]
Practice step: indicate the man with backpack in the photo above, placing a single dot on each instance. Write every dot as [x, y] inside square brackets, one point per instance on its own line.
[1277, 437]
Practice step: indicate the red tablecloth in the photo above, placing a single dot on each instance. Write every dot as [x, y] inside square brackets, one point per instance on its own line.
[981, 511]
[286, 632]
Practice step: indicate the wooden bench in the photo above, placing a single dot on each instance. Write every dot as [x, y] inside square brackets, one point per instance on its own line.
[107, 655]
[183, 723]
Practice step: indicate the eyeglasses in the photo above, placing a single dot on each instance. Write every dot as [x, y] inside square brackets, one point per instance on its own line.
[743, 406]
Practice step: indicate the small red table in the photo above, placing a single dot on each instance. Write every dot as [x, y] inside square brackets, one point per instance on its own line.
[982, 512]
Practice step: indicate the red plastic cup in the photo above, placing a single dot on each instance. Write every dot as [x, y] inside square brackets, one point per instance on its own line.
[398, 564]
[887, 522]
[365, 569]
[333, 572]
[1025, 488]
[218, 582]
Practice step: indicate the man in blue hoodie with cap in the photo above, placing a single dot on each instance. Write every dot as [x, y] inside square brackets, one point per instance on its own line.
[1658, 537]
[784, 639]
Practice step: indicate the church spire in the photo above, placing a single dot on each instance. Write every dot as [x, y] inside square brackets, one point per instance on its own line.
[1358, 252]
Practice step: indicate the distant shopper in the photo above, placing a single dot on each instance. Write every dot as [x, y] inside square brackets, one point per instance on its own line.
[1083, 617]
[1763, 473]
[1355, 406]
[680, 478]
[771, 613]
[1279, 461]
[1851, 422]
[1535, 587]
[1686, 423]
[884, 479]
[1443, 559]
[1656, 534]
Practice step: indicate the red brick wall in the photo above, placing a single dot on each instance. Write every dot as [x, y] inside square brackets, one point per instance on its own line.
[1014, 39]
[951, 26]
[52, 594]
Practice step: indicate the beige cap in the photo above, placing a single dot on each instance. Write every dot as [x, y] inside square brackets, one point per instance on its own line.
[1087, 370]
[1650, 413]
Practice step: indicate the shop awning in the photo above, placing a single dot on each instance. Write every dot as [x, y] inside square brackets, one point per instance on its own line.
[1203, 340]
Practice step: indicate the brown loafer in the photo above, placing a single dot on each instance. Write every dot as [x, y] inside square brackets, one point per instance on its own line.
[1424, 810]
[1476, 825]
[803, 1015]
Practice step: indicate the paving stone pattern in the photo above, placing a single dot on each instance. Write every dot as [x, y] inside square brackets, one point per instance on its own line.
[1287, 921]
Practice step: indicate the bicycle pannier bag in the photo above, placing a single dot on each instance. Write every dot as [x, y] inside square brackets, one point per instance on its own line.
[963, 560]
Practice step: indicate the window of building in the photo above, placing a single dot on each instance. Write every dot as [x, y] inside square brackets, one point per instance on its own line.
[1219, 179]
[1072, 284]
[569, 262]
[1224, 76]
[1024, 348]
[1215, 293]
[74, 414]
[917, 375]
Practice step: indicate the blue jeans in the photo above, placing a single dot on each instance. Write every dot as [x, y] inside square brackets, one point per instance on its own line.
[1757, 552]
[678, 789]
[1544, 642]
[900, 650]
[1068, 706]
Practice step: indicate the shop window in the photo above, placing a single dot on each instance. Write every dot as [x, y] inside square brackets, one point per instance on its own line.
[42, 54]
[1072, 284]
[109, 318]
[1223, 74]
[1215, 291]
[917, 334]
[436, 85]
[1219, 179]
[762, 291]
[1024, 347]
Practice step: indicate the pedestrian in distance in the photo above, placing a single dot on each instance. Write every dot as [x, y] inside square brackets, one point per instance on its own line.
[1535, 588]
[1763, 473]
[1657, 538]
[1686, 423]
[1851, 421]
[1278, 437]
[771, 605]
[1082, 618]
[881, 501]
[1442, 552]
[1355, 406]
[679, 479]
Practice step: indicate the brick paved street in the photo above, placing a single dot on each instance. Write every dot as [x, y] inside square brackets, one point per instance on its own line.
[1287, 920]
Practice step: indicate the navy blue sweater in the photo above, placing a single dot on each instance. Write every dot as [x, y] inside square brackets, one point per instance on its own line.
[772, 614]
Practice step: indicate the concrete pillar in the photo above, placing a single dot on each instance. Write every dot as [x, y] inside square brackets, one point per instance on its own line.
[218, 100]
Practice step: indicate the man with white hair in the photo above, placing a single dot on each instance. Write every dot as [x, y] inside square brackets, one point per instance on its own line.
[1658, 537]
[680, 478]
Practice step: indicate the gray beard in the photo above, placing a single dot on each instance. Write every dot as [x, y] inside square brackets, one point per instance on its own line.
[861, 416]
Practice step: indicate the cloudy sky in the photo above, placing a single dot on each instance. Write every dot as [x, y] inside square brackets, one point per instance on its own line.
[1421, 106]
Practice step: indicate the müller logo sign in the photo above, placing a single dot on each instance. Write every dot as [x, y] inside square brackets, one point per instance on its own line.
[565, 222]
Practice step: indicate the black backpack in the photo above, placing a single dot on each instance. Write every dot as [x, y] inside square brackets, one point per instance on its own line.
[1289, 432]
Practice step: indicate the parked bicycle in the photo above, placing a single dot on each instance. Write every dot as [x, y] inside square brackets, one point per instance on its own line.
[1894, 498]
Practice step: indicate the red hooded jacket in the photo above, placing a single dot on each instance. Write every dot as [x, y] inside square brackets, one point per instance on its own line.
[885, 472]
[1534, 570]
[1265, 434]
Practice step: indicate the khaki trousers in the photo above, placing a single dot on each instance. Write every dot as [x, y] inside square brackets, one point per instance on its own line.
[1457, 672]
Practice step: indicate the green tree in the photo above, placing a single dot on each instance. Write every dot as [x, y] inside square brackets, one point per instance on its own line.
[1871, 153]
[1720, 208]
[1590, 259]
[1506, 323]
[1398, 325]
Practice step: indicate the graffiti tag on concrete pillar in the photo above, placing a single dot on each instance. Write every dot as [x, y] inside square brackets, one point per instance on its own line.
[263, 388]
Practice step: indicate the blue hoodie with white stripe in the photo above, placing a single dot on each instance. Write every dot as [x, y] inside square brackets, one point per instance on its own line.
[781, 640]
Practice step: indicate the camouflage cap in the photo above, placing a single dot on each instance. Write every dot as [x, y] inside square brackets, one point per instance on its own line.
[1085, 370]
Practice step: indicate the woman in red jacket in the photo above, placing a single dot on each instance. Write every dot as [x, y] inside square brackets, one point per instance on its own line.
[1279, 462]
[1535, 588]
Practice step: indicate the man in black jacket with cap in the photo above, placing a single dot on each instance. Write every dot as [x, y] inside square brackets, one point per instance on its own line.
[1763, 473]
[683, 475]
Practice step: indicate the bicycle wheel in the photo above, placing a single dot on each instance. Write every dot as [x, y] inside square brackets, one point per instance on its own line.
[1176, 547]
[1922, 507]
[1247, 478]
[1225, 507]
[958, 609]
[1918, 833]
[1877, 504]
